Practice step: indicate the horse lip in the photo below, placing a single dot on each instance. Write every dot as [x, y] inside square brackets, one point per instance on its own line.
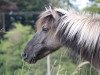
[36, 57]
[32, 61]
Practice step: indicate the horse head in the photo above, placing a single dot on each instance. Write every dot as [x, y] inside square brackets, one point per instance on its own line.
[44, 41]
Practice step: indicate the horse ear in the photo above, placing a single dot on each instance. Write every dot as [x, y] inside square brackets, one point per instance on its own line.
[54, 13]
[49, 13]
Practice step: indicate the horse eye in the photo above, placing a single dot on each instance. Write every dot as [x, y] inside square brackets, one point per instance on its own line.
[45, 29]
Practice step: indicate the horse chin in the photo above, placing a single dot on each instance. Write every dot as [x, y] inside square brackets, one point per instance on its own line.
[41, 54]
[44, 54]
[38, 56]
[32, 60]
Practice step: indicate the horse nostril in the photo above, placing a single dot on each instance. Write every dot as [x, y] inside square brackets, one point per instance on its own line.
[24, 55]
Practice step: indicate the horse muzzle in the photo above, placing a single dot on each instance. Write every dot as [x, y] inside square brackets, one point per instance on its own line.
[30, 60]
[34, 57]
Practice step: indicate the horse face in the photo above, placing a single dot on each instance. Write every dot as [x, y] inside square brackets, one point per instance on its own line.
[44, 41]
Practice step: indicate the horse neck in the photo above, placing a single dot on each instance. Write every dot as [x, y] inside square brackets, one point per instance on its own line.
[81, 33]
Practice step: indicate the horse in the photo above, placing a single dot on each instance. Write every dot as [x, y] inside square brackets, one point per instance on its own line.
[56, 28]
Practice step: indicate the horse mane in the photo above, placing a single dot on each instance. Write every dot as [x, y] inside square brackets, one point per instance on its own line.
[82, 34]
[50, 16]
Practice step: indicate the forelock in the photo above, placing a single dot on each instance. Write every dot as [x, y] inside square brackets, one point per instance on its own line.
[49, 16]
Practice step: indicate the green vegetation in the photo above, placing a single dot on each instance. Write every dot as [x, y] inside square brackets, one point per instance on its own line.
[94, 8]
[30, 5]
[35, 5]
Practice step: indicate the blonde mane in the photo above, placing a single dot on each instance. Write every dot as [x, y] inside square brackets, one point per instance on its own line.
[78, 31]
[82, 34]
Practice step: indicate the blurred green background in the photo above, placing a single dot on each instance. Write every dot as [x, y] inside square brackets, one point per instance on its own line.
[14, 40]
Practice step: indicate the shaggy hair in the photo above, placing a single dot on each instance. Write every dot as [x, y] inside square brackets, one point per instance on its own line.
[82, 34]
[79, 32]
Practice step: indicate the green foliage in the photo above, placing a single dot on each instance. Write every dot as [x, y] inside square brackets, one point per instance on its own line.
[35, 5]
[30, 5]
[97, 1]
[11, 47]
[94, 8]
[55, 3]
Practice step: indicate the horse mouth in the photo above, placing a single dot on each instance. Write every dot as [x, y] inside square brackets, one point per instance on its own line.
[38, 56]
[30, 60]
